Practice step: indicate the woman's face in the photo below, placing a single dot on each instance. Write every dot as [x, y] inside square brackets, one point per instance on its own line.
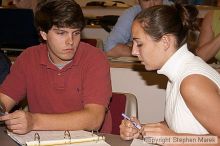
[151, 53]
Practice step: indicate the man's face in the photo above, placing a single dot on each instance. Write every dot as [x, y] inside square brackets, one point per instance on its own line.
[149, 3]
[62, 43]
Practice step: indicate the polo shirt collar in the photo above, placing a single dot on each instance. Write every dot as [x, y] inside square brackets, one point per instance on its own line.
[44, 60]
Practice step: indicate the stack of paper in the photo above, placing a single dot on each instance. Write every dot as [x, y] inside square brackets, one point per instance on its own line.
[42, 138]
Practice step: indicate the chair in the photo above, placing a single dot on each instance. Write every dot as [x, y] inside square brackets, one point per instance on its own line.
[122, 103]
[5, 64]
[94, 42]
[17, 30]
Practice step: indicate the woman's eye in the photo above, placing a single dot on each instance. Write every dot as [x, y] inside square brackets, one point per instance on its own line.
[139, 45]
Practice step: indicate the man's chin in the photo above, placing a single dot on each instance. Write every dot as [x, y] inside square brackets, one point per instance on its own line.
[68, 57]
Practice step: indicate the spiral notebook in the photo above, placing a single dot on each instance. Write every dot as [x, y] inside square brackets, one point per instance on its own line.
[67, 138]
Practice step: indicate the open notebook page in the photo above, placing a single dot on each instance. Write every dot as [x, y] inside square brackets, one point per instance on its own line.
[57, 137]
[138, 142]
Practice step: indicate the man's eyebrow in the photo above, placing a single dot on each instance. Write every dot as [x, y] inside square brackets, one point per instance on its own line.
[57, 29]
[62, 29]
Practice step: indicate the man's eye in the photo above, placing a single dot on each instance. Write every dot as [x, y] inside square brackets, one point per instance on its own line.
[76, 33]
[60, 32]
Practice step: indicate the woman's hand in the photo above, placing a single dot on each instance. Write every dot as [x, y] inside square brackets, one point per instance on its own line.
[156, 129]
[128, 131]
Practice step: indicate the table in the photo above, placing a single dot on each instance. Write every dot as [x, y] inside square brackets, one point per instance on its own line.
[113, 140]
[147, 86]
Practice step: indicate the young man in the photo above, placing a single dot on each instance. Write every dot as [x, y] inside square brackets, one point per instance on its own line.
[118, 43]
[66, 82]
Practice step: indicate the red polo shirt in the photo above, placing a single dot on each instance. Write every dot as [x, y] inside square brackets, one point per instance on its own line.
[86, 79]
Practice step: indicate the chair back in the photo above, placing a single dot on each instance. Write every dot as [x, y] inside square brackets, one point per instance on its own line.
[17, 30]
[92, 42]
[122, 103]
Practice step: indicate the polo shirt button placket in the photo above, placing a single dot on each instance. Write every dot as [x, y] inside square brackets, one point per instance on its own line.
[59, 81]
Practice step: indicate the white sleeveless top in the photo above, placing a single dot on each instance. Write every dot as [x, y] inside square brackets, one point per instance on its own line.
[181, 64]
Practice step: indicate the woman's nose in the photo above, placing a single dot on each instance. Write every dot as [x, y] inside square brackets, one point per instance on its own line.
[134, 51]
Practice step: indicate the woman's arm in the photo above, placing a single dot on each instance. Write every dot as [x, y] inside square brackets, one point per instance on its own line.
[208, 44]
[202, 97]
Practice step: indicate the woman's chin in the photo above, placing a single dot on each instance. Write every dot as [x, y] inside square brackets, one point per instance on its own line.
[148, 68]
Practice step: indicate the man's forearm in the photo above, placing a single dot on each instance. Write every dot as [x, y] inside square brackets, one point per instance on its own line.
[86, 119]
[7, 102]
[120, 50]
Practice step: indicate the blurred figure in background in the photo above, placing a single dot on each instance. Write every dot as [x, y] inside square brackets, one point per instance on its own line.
[26, 4]
[209, 38]
[191, 2]
[4, 66]
[118, 42]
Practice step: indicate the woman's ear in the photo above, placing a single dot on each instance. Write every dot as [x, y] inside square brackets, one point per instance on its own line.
[43, 35]
[166, 41]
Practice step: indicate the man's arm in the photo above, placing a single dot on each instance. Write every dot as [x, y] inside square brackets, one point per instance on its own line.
[90, 118]
[7, 102]
[117, 43]
[120, 50]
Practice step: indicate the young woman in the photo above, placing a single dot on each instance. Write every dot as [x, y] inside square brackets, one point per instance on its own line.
[192, 94]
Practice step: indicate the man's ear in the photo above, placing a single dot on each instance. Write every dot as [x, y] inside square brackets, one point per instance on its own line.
[43, 35]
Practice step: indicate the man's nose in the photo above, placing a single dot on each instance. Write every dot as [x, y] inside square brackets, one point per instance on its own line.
[70, 40]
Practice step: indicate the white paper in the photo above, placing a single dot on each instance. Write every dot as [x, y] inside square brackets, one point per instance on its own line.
[51, 137]
[138, 142]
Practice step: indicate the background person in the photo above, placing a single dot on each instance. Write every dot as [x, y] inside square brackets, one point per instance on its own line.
[192, 94]
[4, 66]
[209, 38]
[118, 43]
[66, 82]
[25, 4]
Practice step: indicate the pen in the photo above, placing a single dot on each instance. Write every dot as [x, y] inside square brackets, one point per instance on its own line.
[2, 110]
[134, 123]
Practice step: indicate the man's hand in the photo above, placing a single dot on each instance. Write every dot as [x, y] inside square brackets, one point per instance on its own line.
[19, 122]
